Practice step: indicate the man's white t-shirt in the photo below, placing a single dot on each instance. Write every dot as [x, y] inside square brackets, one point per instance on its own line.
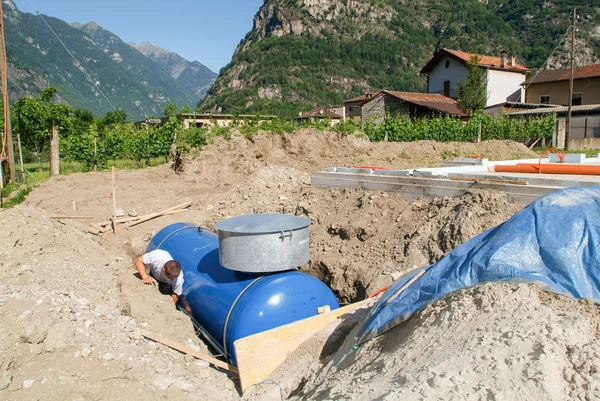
[155, 261]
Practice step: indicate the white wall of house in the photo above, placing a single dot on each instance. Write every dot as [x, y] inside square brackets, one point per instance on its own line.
[455, 73]
[504, 86]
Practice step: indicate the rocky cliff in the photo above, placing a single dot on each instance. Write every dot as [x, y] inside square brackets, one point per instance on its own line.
[304, 53]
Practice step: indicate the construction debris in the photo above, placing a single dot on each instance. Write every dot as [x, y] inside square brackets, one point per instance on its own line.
[107, 225]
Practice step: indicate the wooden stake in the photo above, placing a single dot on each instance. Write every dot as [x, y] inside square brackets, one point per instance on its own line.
[54, 153]
[95, 155]
[114, 202]
[182, 348]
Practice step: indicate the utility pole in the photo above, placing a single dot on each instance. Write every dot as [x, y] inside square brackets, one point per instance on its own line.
[568, 128]
[10, 150]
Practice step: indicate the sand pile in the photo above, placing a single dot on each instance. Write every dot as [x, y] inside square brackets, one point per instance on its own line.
[72, 314]
[492, 342]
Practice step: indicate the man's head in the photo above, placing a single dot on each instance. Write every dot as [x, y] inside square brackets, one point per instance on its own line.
[172, 269]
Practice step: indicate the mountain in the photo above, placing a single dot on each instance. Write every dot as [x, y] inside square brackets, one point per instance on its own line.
[105, 66]
[306, 53]
[191, 74]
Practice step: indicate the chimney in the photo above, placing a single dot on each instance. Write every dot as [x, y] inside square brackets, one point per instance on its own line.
[513, 62]
[503, 56]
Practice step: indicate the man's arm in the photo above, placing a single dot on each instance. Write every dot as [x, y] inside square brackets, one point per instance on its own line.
[139, 265]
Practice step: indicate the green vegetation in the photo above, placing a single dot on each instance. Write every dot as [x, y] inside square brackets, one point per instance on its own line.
[448, 129]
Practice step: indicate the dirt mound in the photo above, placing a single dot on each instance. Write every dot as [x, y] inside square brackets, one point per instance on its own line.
[362, 240]
[495, 342]
[72, 321]
[311, 150]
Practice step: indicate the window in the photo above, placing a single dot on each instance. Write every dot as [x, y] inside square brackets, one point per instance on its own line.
[545, 99]
[577, 99]
[447, 63]
[447, 88]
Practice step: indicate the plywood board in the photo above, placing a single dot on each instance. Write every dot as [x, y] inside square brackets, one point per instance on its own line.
[260, 354]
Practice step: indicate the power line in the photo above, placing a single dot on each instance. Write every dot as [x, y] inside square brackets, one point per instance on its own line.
[77, 63]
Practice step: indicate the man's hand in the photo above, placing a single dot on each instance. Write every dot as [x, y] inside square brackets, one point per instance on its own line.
[139, 265]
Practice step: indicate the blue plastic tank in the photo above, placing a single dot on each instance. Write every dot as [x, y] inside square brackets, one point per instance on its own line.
[229, 305]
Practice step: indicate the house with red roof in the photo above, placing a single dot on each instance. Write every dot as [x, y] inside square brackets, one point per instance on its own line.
[412, 104]
[552, 86]
[504, 75]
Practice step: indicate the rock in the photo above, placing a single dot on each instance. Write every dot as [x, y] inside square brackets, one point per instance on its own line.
[188, 358]
[87, 351]
[191, 344]
[34, 330]
[183, 385]
[162, 368]
[28, 383]
[202, 364]
[162, 382]
[59, 336]
[37, 349]
[395, 275]
[108, 356]
[5, 380]
[24, 316]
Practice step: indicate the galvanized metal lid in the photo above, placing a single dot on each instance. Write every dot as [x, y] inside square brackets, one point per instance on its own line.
[262, 223]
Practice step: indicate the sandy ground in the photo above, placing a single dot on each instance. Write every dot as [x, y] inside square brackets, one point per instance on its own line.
[71, 309]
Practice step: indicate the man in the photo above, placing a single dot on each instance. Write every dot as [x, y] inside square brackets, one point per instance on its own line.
[163, 268]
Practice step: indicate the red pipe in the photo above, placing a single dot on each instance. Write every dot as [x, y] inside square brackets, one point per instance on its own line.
[549, 168]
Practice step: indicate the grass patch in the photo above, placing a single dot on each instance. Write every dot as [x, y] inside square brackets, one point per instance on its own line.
[587, 153]
[18, 198]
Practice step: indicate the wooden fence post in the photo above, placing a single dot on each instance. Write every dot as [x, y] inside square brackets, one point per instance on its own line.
[54, 153]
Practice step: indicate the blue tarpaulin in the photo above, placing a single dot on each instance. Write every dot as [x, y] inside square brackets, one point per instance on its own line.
[555, 242]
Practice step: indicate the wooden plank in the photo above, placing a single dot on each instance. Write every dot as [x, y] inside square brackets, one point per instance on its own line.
[186, 350]
[71, 217]
[260, 354]
[489, 180]
[155, 215]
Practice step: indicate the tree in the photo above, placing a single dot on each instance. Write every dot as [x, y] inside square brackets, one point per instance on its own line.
[471, 94]
[170, 110]
[111, 118]
[34, 118]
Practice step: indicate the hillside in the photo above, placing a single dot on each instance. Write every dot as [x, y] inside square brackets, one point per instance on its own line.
[191, 74]
[130, 80]
[308, 53]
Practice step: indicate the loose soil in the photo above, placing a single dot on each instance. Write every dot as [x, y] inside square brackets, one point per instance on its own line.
[72, 309]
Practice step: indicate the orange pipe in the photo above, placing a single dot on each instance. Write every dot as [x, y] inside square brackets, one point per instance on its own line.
[550, 168]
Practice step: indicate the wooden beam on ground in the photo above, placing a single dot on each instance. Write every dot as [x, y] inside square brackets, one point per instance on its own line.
[71, 217]
[186, 350]
[260, 354]
[155, 215]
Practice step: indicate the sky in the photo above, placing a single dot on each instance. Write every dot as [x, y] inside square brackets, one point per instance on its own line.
[207, 31]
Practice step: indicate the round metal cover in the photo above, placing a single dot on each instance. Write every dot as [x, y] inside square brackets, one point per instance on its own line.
[262, 223]
[262, 243]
